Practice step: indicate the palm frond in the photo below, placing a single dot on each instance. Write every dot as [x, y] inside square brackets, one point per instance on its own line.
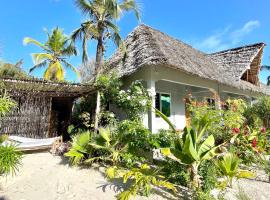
[69, 50]
[39, 65]
[40, 57]
[131, 5]
[265, 67]
[77, 34]
[85, 6]
[28, 40]
[70, 66]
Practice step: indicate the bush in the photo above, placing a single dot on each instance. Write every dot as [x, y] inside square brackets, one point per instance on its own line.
[10, 159]
[261, 109]
[10, 156]
[208, 172]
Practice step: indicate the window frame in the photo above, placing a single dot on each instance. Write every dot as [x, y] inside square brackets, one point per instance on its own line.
[167, 93]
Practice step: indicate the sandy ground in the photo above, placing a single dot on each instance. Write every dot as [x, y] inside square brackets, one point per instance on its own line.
[47, 177]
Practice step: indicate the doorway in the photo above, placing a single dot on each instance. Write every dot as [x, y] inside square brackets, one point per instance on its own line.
[60, 117]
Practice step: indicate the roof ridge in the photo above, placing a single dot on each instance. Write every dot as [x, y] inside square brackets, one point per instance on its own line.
[262, 44]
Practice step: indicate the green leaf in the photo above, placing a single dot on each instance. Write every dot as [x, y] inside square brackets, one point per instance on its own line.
[165, 118]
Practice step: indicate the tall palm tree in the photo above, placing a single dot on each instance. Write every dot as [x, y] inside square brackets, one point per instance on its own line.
[55, 51]
[100, 26]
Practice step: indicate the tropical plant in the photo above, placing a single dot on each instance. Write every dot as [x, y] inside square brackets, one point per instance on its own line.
[10, 158]
[192, 149]
[219, 122]
[107, 146]
[6, 104]
[55, 52]
[141, 180]
[80, 148]
[134, 101]
[261, 108]
[228, 166]
[88, 148]
[100, 26]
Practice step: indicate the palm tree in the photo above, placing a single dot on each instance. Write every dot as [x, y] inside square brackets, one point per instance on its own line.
[56, 49]
[266, 67]
[100, 26]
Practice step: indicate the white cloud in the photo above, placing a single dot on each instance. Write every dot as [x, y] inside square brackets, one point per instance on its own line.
[226, 38]
[248, 27]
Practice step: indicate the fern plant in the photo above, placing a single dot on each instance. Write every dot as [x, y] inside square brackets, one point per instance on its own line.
[228, 166]
[141, 180]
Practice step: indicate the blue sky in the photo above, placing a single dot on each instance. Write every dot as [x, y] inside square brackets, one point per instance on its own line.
[209, 25]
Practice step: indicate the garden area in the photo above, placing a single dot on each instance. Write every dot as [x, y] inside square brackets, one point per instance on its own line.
[222, 154]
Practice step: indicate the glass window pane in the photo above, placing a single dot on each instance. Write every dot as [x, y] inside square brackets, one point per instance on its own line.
[166, 104]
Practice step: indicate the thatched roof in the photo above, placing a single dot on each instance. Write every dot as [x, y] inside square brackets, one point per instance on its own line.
[148, 47]
[42, 87]
[237, 61]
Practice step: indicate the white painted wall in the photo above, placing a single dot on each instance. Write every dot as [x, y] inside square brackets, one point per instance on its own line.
[178, 84]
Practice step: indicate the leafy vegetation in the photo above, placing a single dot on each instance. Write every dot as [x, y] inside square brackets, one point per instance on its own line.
[100, 26]
[228, 166]
[141, 179]
[10, 156]
[8, 70]
[55, 51]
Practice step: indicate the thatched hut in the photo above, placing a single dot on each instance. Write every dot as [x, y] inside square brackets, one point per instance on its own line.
[174, 70]
[43, 107]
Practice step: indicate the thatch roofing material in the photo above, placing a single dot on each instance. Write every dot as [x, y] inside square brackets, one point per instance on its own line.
[238, 60]
[148, 47]
[47, 88]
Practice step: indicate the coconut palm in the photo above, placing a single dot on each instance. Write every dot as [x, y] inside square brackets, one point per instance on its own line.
[100, 26]
[55, 51]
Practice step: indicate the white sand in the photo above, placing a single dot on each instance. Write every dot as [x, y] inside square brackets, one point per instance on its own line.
[46, 177]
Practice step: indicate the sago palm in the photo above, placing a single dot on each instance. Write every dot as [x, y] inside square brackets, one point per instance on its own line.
[100, 26]
[55, 52]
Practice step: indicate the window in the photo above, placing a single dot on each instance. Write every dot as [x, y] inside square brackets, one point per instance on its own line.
[211, 102]
[163, 103]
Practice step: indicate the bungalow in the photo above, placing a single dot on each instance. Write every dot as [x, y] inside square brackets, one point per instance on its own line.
[43, 107]
[173, 70]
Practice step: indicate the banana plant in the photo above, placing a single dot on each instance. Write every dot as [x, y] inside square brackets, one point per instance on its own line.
[228, 166]
[191, 150]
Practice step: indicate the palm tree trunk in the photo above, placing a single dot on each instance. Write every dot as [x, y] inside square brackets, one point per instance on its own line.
[99, 59]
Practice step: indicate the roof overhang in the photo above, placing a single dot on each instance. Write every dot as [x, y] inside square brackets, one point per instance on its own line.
[45, 88]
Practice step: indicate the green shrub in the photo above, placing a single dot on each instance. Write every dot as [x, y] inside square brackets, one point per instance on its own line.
[208, 173]
[175, 172]
[228, 167]
[10, 156]
[141, 180]
[10, 159]
[262, 110]
[134, 101]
